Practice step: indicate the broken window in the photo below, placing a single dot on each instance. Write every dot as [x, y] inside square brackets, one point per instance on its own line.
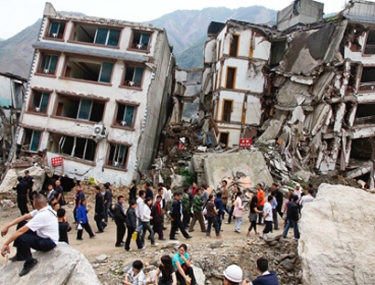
[96, 35]
[224, 138]
[39, 101]
[89, 70]
[361, 149]
[370, 43]
[141, 40]
[133, 76]
[231, 77]
[48, 64]
[31, 140]
[368, 79]
[277, 52]
[227, 111]
[354, 71]
[73, 146]
[56, 30]
[365, 114]
[118, 155]
[125, 115]
[234, 45]
[80, 108]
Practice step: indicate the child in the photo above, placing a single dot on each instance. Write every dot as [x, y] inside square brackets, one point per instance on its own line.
[168, 275]
[135, 275]
[82, 220]
[64, 227]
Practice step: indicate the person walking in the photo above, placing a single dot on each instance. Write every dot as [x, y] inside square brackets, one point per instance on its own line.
[139, 209]
[22, 189]
[219, 208]
[107, 201]
[146, 218]
[186, 207]
[120, 220]
[212, 217]
[292, 217]
[225, 193]
[83, 221]
[197, 209]
[78, 197]
[233, 199]
[261, 202]
[274, 211]
[131, 224]
[238, 212]
[148, 191]
[279, 198]
[268, 216]
[60, 193]
[99, 208]
[176, 222]
[133, 191]
[156, 214]
[253, 215]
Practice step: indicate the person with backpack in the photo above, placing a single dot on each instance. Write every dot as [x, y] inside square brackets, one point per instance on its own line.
[120, 220]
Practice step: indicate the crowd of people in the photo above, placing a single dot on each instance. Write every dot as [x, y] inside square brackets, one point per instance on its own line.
[146, 216]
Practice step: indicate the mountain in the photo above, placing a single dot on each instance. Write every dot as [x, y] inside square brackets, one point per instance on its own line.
[186, 30]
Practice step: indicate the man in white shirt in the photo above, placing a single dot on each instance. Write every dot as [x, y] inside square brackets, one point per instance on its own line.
[40, 233]
[139, 209]
[307, 198]
[267, 216]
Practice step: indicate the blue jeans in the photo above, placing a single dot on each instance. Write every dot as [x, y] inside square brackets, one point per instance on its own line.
[239, 222]
[294, 224]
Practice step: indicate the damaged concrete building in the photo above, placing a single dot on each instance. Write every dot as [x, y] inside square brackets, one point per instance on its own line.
[12, 95]
[307, 85]
[97, 96]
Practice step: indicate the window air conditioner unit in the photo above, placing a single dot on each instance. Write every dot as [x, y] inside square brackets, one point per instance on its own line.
[54, 35]
[46, 71]
[98, 130]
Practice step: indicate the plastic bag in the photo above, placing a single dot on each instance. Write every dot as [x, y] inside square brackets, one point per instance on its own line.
[79, 227]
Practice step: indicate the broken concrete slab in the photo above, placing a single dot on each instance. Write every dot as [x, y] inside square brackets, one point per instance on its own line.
[10, 179]
[252, 164]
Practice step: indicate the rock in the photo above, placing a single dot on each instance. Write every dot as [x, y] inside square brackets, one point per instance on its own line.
[216, 244]
[101, 258]
[62, 265]
[287, 264]
[11, 178]
[6, 204]
[95, 265]
[170, 244]
[199, 275]
[335, 230]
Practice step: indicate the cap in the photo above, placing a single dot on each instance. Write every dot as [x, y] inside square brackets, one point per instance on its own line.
[233, 273]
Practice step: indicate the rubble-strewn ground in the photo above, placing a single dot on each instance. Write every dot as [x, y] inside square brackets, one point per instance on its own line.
[212, 255]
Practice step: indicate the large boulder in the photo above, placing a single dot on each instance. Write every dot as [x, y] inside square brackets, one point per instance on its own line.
[10, 179]
[62, 265]
[337, 232]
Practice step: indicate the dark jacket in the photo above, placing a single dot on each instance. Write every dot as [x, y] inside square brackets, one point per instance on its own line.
[219, 206]
[156, 216]
[118, 214]
[133, 193]
[131, 218]
[292, 211]
[149, 194]
[268, 279]
[176, 210]
[21, 189]
[279, 198]
[99, 204]
[64, 228]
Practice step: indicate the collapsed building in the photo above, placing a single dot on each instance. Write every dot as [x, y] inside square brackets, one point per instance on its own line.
[307, 85]
[97, 96]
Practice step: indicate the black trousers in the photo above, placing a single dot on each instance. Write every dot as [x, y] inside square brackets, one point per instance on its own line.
[158, 229]
[120, 232]
[29, 240]
[230, 214]
[260, 215]
[87, 229]
[22, 205]
[177, 224]
[186, 218]
[129, 238]
[268, 227]
[99, 221]
[189, 272]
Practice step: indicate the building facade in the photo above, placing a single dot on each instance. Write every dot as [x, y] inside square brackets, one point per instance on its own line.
[97, 95]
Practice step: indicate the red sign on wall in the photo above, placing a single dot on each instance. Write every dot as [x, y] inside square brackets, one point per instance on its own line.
[246, 142]
[57, 161]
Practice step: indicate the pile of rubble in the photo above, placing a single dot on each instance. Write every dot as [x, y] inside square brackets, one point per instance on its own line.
[211, 258]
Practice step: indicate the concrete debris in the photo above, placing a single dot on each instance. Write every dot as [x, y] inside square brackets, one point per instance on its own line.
[10, 179]
[7, 204]
[331, 251]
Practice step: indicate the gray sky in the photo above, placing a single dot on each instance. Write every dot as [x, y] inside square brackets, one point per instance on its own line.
[15, 15]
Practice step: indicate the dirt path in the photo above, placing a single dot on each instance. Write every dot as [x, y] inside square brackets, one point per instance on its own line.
[105, 242]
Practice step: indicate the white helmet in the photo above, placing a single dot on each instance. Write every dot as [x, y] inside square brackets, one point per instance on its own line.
[233, 273]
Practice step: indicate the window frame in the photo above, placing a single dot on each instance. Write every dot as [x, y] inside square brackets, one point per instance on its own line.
[234, 77]
[30, 106]
[135, 65]
[238, 45]
[223, 108]
[47, 32]
[40, 71]
[116, 143]
[31, 139]
[115, 124]
[130, 46]
[71, 156]
[365, 44]
[362, 89]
